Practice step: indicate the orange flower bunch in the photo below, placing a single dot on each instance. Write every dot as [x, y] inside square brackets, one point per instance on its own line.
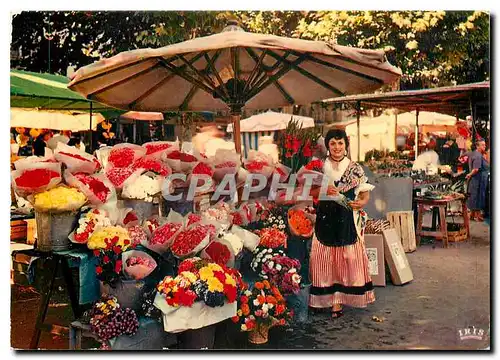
[263, 305]
[299, 223]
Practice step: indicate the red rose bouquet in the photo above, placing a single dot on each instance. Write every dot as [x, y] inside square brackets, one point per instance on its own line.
[220, 252]
[172, 157]
[189, 161]
[109, 267]
[315, 168]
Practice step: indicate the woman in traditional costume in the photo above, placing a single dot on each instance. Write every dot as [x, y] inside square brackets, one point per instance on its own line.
[339, 264]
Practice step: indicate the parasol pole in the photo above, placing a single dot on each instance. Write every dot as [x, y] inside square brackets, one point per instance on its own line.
[235, 117]
[416, 134]
[90, 126]
[396, 130]
[358, 114]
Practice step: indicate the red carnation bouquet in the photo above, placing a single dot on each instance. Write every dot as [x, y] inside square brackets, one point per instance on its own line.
[202, 173]
[149, 163]
[220, 252]
[36, 177]
[120, 176]
[124, 155]
[76, 160]
[315, 168]
[97, 188]
[172, 157]
[259, 163]
[137, 265]
[189, 161]
[157, 148]
[162, 238]
[192, 240]
[191, 219]
[225, 162]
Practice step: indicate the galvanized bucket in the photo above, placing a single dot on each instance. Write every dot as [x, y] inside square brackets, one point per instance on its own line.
[143, 209]
[53, 230]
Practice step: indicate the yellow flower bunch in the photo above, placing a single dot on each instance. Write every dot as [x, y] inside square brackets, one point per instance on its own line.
[165, 285]
[215, 285]
[189, 276]
[97, 240]
[206, 273]
[59, 199]
[214, 267]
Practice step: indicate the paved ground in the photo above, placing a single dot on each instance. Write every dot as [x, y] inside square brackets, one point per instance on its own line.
[451, 291]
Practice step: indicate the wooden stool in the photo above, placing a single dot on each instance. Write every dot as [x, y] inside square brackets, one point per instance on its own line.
[443, 227]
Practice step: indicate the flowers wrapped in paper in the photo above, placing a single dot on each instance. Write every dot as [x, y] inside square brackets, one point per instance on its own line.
[314, 170]
[101, 237]
[124, 155]
[121, 176]
[157, 148]
[172, 157]
[193, 239]
[76, 160]
[250, 240]
[35, 177]
[259, 163]
[220, 251]
[300, 223]
[97, 188]
[89, 221]
[145, 187]
[137, 265]
[225, 162]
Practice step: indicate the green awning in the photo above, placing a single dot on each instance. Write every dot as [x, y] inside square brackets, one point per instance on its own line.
[47, 92]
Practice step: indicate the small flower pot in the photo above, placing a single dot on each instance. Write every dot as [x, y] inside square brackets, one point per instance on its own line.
[259, 335]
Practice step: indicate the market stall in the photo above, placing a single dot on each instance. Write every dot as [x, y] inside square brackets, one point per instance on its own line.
[204, 264]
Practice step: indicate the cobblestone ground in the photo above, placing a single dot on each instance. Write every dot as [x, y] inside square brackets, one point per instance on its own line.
[450, 291]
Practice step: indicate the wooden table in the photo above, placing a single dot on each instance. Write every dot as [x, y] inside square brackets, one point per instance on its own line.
[443, 230]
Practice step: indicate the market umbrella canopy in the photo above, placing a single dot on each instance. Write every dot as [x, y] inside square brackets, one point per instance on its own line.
[271, 121]
[46, 92]
[54, 120]
[142, 115]
[233, 69]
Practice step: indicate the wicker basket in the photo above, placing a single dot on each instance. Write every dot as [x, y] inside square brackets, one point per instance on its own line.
[456, 232]
[259, 335]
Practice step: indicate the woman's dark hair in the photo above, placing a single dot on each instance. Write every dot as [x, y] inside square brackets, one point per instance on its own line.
[336, 134]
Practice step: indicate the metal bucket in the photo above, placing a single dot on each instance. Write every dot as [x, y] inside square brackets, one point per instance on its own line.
[143, 209]
[300, 304]
[53, 230]
[127, 292]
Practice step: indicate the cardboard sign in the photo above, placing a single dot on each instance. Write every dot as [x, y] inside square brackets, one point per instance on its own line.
[396, 258]
[374, 245]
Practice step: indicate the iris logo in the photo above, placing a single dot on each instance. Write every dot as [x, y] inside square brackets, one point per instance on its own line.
[471, 333]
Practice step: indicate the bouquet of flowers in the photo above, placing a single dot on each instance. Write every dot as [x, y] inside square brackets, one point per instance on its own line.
[191, 219]
[225, 162]
[300, 223]
[263, 305]
[35, 177]
[152, 164]
[110, 262]
[274, 217]
[239, 218]
[119, 176]
[201, 280]
[259, 163]
[163, 236]
[89, 222]
[145, 187]
[220, 212]
[172, 157]
[272, 238]
[193, 239]
[97, 188]
[220, 252]
[282, 172]
[151, 224]
[298, 145]
[157, 148]
[100, 238]
[188, 161]
[137, 234]
[137, 264]
[124, 155]
[76, 160]
[59, 199]
[109, 320]
[202, 168]
[313, 167]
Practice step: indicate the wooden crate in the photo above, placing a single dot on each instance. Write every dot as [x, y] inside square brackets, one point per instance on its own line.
[31, 231]
[18, 230]
[404, 224]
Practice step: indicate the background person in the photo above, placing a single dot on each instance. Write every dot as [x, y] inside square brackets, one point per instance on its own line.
[477, 180]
